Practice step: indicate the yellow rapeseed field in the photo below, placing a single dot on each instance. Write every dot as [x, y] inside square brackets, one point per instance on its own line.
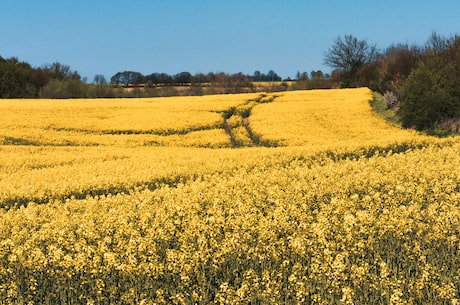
[326, 119]
[301, 197]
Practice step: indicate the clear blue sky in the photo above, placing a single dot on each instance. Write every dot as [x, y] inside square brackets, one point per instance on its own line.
[104, 37]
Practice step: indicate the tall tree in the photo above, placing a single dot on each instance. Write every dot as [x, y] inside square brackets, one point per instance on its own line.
[272, 76]
[348, 55]
[438, 44]
[126, 78]
[183, 78]
[99, 79]
[101, 85]
[257, 76]
[394, 66]
[60, 71]
[17, 79]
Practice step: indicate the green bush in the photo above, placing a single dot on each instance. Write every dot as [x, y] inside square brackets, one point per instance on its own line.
[430, 95]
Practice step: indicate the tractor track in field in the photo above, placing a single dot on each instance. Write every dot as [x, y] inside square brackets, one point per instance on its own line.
[243, 113]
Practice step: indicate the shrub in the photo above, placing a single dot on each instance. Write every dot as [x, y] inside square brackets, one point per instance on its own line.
[429, 95]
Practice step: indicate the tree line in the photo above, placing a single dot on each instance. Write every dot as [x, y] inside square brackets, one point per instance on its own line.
[127, 78]
[420, 82]
[19, 79]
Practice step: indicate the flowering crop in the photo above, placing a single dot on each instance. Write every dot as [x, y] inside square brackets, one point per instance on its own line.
[111, 122]
[359, 213]
[326, 119]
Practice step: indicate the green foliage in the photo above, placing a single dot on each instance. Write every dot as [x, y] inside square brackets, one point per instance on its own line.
[429, 95]
[420, 83]
[20, 80]
[17, 79]
[68, 88]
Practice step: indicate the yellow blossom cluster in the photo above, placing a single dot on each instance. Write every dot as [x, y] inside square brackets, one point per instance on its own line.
[355, 217]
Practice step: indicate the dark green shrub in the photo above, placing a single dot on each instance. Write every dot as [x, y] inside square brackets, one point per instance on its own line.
[429, 95]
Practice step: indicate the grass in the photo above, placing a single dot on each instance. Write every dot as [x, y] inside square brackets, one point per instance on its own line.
[380, 107]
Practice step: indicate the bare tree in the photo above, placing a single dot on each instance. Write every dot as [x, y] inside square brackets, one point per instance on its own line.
[60, 71]
[438, 44]
[101, 84]
[99, 79]
[348, 55]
